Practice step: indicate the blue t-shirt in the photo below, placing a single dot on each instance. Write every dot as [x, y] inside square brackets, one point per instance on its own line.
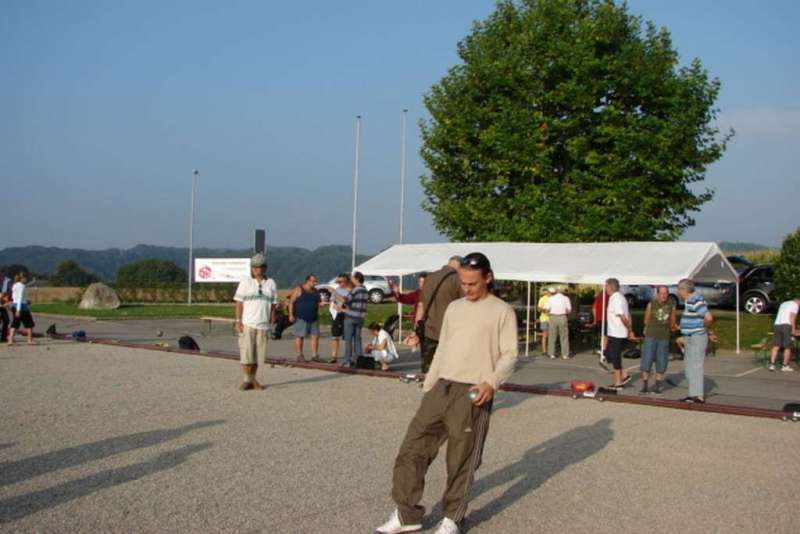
[694, 313]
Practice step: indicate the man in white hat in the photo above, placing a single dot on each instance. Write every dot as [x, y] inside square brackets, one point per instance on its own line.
[255, 299]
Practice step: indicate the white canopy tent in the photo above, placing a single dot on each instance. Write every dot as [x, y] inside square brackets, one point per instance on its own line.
[633, 263]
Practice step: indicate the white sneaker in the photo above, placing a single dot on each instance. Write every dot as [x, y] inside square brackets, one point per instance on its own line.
[394, 526]
[447, 526]
[771, 367]
[787, 369]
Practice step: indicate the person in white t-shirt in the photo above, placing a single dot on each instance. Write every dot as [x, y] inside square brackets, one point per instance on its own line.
[785, 332]
[381, 348]
[558, 307]
[619, 330]
[256, 298]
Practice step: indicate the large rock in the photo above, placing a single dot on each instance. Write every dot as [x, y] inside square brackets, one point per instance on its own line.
[99, 297]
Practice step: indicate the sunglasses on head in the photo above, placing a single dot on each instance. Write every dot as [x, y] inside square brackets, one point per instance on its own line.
[474, 262]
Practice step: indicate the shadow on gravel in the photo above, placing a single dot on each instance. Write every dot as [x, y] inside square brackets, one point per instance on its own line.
[6, 445]
[538, 465]
[323, 378]
[509, 399]
[30, 503]
[19, 470]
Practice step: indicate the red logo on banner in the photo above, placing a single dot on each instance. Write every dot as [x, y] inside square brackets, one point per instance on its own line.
[204, 272]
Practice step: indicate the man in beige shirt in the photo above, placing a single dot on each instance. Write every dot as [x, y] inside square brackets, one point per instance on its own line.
[477, 352]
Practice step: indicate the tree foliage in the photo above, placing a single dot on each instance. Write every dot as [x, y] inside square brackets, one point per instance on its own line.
[70, 274]
[150, 273]
[787, 268]
[568, 120]
[12, 270]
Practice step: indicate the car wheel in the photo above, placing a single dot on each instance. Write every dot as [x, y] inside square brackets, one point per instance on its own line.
[376, 296]
[755, 304]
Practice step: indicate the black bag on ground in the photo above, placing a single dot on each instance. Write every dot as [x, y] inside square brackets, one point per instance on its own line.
[188, 343]
[365, 362]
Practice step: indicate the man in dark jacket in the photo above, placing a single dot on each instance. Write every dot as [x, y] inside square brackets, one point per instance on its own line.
[441, 288]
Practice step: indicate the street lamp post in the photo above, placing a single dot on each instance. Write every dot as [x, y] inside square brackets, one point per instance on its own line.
[402, 212]
[403, 178]
[355, 193]
[190, 272]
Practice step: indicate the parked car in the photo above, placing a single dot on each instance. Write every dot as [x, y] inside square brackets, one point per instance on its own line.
[637, 295]
[756, 288]
[740, 264]
[377, 288]
[715, 294]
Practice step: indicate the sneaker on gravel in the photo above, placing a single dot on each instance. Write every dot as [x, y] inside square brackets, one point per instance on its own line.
[658, 389]
[771, 367]
[626, 380]
[394, 526]
[244, 386]
[787, 369]
[552, 356]
[644, 390]
[448, 526]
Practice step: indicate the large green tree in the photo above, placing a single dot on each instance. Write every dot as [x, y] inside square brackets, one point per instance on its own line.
[568, 120]
[787, 268]
[150, 273]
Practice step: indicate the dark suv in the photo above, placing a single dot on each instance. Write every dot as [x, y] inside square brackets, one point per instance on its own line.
[756, 287]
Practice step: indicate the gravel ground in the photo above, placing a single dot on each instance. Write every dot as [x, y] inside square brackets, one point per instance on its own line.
[108, 439]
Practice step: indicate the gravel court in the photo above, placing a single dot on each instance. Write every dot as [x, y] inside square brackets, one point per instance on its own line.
[99, 438]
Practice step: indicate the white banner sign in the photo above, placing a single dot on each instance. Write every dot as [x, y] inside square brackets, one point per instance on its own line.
[221, 269]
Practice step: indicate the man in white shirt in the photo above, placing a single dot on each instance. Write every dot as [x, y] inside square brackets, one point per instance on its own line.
[256, 298]
[785, 332]
[558, 307]
[619, 330]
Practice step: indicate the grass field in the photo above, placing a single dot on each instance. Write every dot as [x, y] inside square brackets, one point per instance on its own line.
[375, 312]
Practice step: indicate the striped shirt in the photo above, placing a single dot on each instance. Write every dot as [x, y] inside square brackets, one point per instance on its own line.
[694, 315]
[357, 304]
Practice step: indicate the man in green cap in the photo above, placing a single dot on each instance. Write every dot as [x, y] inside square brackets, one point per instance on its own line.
[255, 299]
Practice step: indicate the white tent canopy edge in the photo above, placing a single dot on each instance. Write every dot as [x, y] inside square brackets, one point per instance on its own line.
[647, 262]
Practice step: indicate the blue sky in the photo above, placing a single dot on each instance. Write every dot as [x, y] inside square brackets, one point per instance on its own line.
[106, 107]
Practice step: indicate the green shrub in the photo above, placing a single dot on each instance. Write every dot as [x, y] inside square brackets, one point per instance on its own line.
[787, 268]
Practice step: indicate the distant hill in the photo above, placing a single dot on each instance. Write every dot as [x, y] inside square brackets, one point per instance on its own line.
[287, 265]
[740, 246]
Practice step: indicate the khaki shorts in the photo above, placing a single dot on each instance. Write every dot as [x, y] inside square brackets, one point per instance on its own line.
[253, 346]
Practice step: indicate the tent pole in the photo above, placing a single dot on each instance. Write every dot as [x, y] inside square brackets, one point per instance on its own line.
[528, 322]
[602, 316]
[738, 325]
[535, 313]
[400, 314]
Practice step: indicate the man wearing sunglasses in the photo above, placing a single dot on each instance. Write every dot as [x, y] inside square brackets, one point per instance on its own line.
[477, 352]
[256, 298]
